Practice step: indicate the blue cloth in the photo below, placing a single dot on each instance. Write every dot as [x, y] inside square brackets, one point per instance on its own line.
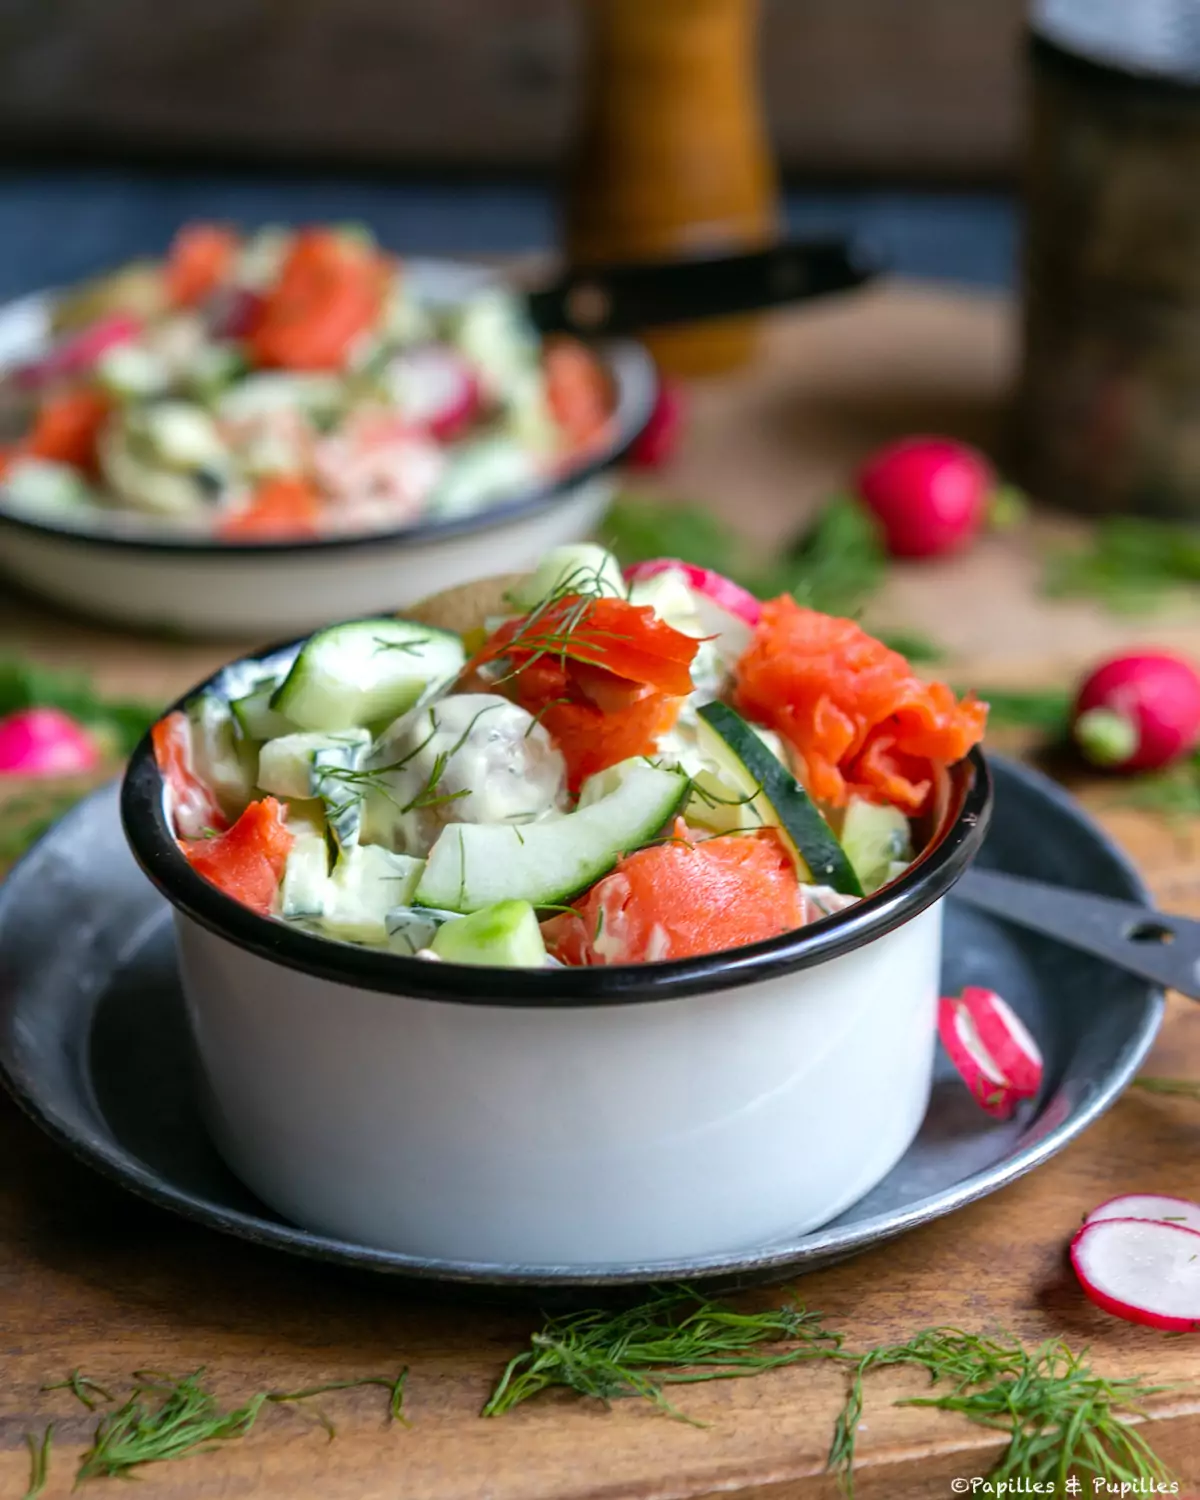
[59, 224]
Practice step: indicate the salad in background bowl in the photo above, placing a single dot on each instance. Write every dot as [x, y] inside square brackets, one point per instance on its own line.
[558, 921]
[262, 431]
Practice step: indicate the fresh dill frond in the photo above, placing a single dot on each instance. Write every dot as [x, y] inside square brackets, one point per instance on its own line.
[913, 646]
[678, 1336]
[23, 820]
[1172, 793]
[39, 1462]
[639, 528]
[1183, 1088]
[83, 1388]
[167, 1417]
[837, 566]
[1061, 1420]
[1130, 564]
[28, 684]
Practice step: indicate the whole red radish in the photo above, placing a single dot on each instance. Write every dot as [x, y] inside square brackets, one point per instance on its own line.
[660, 437]
[1138, 712]
[45, 742]
[930, 494]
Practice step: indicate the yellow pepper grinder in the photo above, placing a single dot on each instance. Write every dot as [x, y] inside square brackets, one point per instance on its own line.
[672, 156]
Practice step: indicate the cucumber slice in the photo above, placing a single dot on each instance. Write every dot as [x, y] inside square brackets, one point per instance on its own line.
[306, 874]
[820, 859]
[480, 470]
[366, 672]
[295, 764]
[877, 840]
[473, 865]
[367, 883]
[221, 760]
[583, 568]
[505, 935]
[411, 928]
[254, 716]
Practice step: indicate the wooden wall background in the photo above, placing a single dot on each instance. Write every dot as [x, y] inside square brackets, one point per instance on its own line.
[855, 88]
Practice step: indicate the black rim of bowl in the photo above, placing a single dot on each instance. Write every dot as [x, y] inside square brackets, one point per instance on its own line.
[947, 855]
[635, 380]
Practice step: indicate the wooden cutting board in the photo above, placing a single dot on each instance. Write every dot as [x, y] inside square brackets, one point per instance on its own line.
[91, 1278]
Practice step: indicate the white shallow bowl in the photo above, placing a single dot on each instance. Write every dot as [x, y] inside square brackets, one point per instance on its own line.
[131, 572]
[567, 1117]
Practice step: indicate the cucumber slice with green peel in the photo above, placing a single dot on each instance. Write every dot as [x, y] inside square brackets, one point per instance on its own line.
[473, 865]
[367, 672]
[877, 840]
[820, 859]
[367, 883]
[411, 928]
[222, 761]
[505, 935]
[254, 716]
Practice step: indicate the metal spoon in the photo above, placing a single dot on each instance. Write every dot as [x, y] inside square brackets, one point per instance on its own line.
[1139, 939]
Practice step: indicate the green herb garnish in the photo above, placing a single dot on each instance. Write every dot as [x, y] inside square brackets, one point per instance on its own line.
[1131, 565]
[837, 565]
[912, 645]
[83, 1388]
[639, 528]
[39, 1462]
[167, 1417]
[676, 1337]
[1060, 1418]
[1172, 793]
[23, 820]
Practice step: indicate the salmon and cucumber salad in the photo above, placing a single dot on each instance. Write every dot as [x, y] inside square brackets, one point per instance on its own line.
[289, 384]
[612, 768]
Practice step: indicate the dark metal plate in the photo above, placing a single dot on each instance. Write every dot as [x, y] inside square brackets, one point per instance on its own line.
[94, 1045]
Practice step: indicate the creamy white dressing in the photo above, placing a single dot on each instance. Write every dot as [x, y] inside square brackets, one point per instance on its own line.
[470, 758]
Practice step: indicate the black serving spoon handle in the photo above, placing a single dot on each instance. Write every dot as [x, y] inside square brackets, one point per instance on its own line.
[1154, 945]
[600, 301]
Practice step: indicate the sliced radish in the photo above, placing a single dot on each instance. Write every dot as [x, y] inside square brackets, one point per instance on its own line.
[1160, 1207]
[436, 389]
[1141, 1270]
[79, 353]
[45, 742]
[717, 589]
[1006, 1038]
[989, 1087]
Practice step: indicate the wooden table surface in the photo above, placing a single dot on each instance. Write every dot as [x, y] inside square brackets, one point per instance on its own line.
[94, 1279]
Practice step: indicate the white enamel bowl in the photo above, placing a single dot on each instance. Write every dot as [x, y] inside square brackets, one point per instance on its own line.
[625, 1115]
[131, 573]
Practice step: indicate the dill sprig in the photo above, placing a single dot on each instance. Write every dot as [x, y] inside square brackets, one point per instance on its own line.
[1061, 1420]
[167, 1417]
[677, 1336]
[1130, 564]
[1047, 710]
[1172, 793]
[83, 1388]
[838, 565]
[1183, 1088]
[39, 1462]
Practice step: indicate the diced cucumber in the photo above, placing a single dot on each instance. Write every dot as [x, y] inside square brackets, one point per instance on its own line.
[367, 672]
[367, 883]
[877, 839]
[411, 928]
[42, 487]
[182, 436]
[295, 764]
[582, 569]
[213, 369]
[505, 935]
[493, 330]
[136, 473]
[222, 761]
[302, 893]
[479, 471]
[131, 373]
[268, 392]
[473, 865]
[820, 859]
[256, 719]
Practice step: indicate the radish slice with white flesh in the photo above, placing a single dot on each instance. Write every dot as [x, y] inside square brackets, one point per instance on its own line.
[989, 1087]
[1162, 1208]
[435, 389]
[1141, 1270]
[731, 597]
[1006, 1038]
